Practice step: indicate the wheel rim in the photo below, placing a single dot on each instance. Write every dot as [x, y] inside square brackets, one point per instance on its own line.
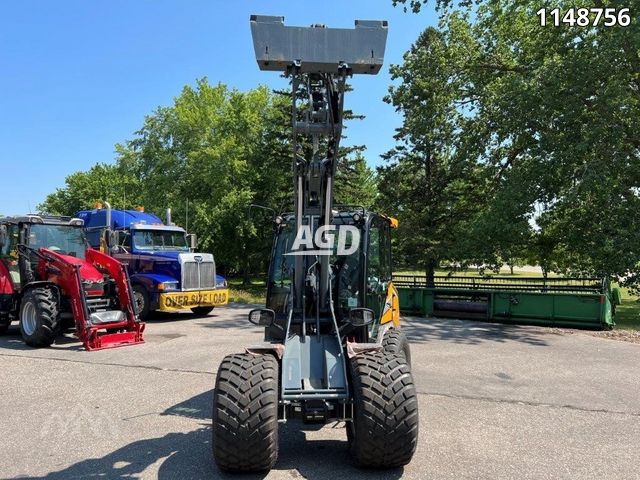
[139, 297]
[29, 319]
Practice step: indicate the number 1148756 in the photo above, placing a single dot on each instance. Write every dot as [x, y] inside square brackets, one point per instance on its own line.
[585, 17]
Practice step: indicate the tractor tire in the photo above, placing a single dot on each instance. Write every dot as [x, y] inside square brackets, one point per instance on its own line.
[141, 299]
[245, 413]
[384, 430]
[202, 311]
[395, 341]
[39, 317]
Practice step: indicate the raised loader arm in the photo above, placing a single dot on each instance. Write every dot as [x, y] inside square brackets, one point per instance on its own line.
[318, 61]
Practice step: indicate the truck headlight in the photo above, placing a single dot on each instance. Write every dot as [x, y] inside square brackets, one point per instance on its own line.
[168, 286]
[222, 284]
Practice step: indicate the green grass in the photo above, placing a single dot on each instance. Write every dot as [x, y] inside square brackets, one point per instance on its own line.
[628, 312]
[255, 292]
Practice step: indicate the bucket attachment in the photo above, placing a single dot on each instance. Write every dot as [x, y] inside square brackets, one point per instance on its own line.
[110, 328]
[127, 335]
[318, 49]
[98, 325]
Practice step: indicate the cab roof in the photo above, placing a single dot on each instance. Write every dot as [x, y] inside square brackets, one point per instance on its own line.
[43, 219]
[124, 219]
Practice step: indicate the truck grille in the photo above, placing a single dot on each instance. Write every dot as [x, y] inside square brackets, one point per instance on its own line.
[198, 275]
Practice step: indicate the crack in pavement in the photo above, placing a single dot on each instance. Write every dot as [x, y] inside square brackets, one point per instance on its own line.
[527, 403]
[433, 394]
[112, 364]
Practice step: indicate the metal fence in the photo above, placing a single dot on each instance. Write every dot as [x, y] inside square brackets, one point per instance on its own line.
[527, 284]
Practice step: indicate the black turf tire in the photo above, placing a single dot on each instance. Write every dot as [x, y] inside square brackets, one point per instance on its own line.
[384, 430]
[395, 341]
[141, 295]
[245, 413]
[44, 301]
[202, 311]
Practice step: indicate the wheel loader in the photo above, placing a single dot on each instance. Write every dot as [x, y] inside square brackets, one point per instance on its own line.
[333, 350]
[50, 279]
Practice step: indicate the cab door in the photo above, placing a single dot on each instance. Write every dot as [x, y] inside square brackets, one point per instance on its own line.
[378, 269]
[9, 254]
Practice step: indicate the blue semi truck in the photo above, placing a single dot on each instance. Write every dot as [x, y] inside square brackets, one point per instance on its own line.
[166, 272]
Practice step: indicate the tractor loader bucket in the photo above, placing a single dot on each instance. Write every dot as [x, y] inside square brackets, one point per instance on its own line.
[111, 328]
[318, 49]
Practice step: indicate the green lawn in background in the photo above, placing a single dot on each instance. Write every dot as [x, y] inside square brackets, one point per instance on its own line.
[255, 292]
[627, 314]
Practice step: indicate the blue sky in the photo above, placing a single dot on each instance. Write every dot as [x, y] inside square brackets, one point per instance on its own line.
[79, 76]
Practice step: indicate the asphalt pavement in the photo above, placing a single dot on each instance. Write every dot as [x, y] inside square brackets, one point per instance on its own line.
[498, 402]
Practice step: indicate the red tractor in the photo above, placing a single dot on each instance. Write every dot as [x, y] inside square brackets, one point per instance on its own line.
[50, 279]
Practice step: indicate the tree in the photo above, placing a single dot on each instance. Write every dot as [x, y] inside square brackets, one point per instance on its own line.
[208, 156]
[222, 150]
[551, 113]
[84, 189]
[433, 190]
[416, 5]
[356, 182]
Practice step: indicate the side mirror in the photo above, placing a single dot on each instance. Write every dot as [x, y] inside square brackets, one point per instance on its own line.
[3, 235]
[262, 316]
[360, 317]
[193, 241]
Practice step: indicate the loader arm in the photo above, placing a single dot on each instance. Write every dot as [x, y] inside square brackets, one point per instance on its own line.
[318, 61]
[99, 329]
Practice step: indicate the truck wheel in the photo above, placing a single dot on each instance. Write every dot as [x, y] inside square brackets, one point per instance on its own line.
[202, 311]
[141, 298]
[395, 341]
[384, 430]
[39, 322]
[245, 413]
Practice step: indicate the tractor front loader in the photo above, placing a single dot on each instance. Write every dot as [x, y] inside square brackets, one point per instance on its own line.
[50, 279]
[333, 349]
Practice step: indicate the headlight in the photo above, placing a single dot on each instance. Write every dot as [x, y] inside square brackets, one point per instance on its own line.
[222, 284]
[168, 286]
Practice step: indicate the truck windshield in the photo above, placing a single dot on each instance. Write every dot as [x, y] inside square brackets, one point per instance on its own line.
[63, 239]
[160, 240]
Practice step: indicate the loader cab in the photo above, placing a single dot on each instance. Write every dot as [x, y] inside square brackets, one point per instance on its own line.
[360, 278]
[62, 235]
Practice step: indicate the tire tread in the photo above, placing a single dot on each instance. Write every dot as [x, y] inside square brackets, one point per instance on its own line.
[245, 413]
[385, 424]
[47, 309]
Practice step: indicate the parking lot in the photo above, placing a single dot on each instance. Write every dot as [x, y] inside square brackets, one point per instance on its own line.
[495, 402]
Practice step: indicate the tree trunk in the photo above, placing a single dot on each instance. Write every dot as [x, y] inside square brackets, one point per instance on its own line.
[246, 269]
[431, 272]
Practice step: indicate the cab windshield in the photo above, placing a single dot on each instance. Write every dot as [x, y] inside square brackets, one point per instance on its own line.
[63, 239]
[160, 240]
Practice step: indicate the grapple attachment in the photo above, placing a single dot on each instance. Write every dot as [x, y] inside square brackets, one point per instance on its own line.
[318, 49]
